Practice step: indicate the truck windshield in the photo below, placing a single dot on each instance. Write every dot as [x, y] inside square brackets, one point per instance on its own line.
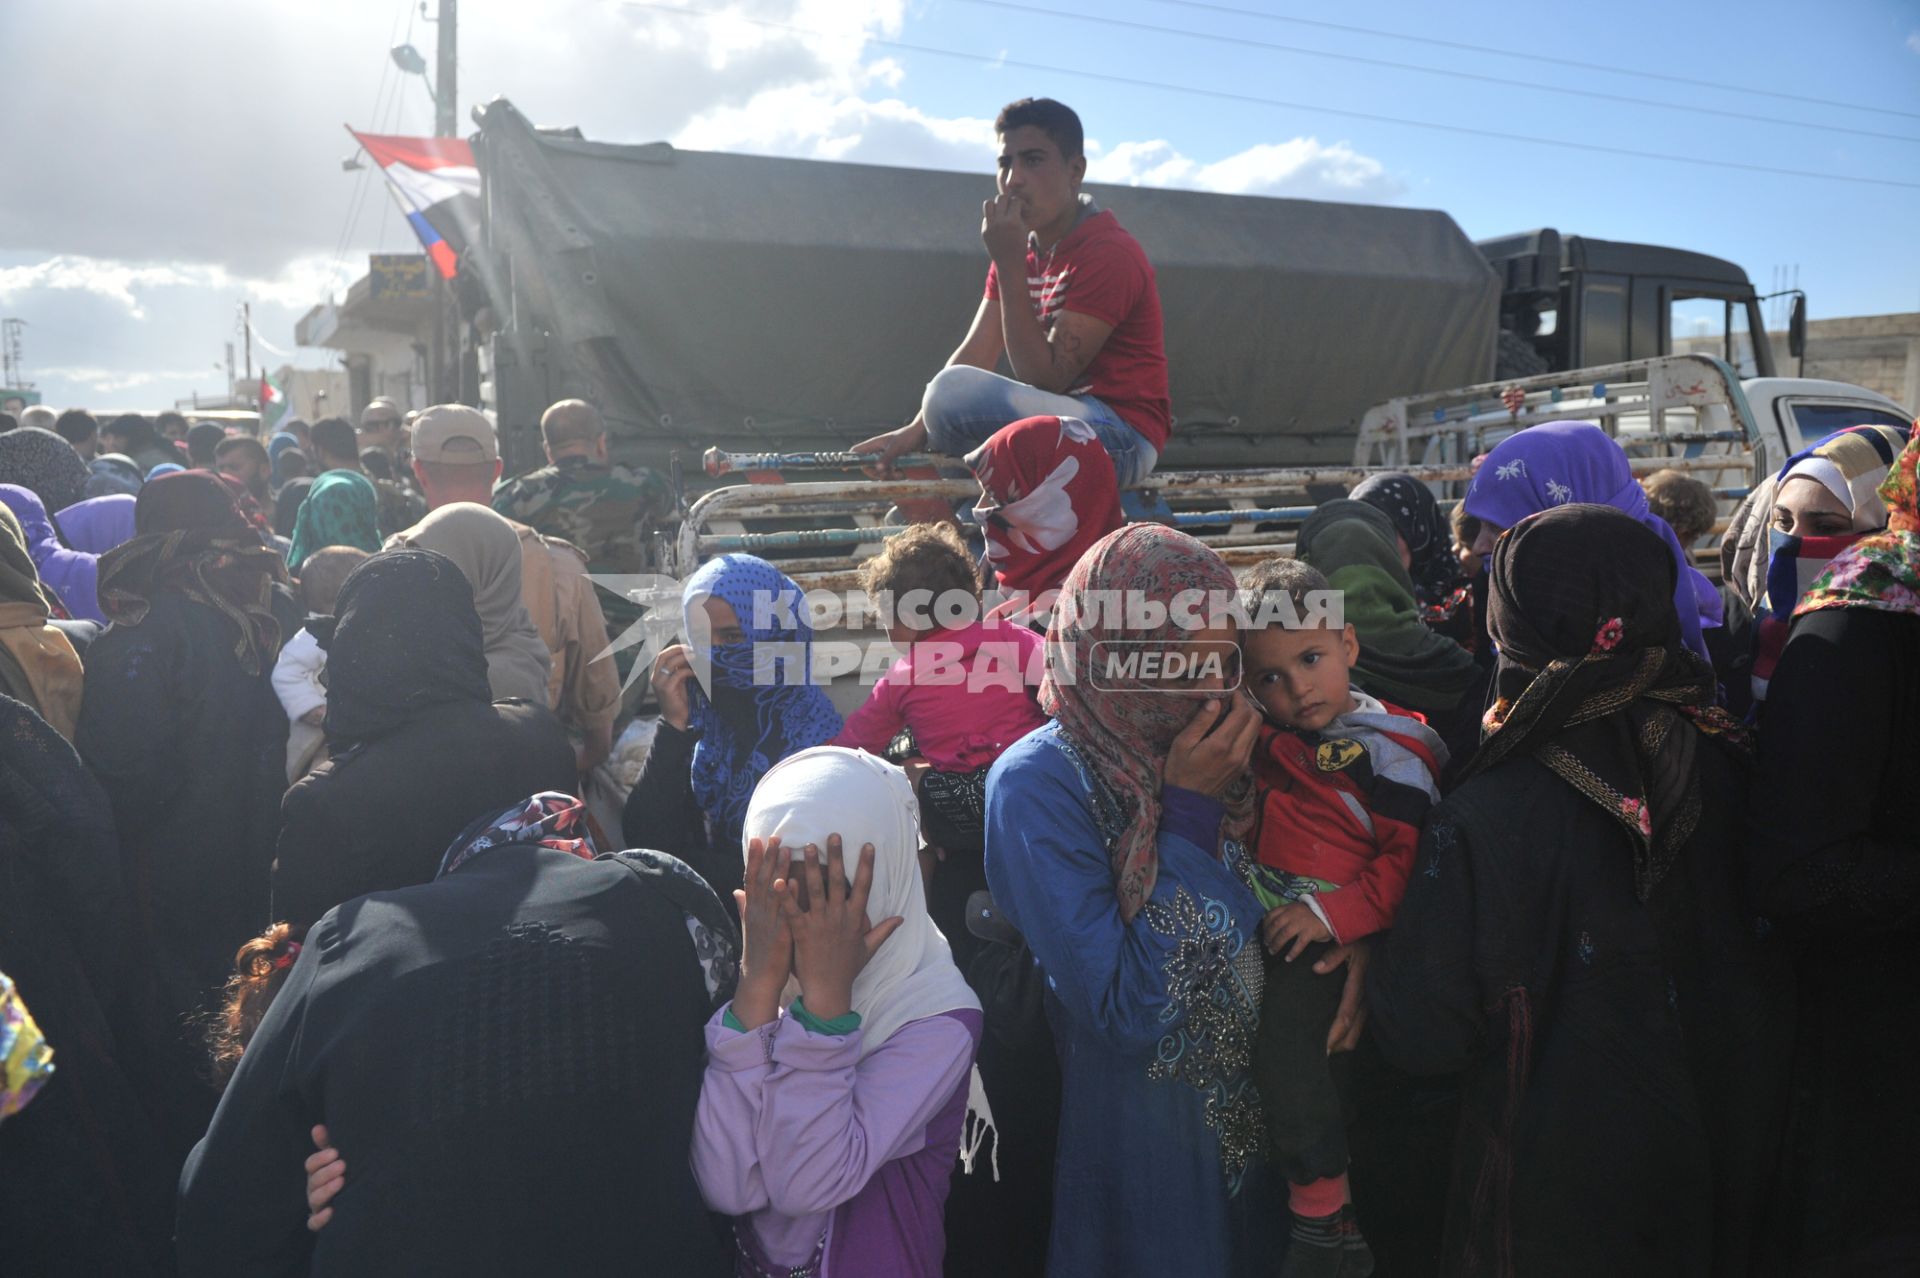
[1816, 421]
[1713, 326]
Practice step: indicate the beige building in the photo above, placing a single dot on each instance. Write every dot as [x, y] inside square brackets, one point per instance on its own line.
[1879, 352]
[383, 329]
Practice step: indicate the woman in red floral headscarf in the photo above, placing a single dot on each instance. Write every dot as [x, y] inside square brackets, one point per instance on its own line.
[1047, 492]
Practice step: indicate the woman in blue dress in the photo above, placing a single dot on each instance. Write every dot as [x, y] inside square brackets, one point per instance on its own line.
[1113, 844]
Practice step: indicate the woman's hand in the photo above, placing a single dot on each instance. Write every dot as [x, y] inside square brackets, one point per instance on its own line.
[766, 943]
[1213, 749]
[673, 685]
[1293, 924]
[1344, 1035]
[832, 941]
[326, 1176]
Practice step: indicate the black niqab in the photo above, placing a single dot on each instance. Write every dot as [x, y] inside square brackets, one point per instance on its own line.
[405, 637]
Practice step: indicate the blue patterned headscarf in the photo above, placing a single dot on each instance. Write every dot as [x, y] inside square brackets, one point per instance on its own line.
[748, 724]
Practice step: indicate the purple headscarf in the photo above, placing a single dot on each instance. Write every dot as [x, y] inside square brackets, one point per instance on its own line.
[1556, 463]
[98, 524]
[72, 574]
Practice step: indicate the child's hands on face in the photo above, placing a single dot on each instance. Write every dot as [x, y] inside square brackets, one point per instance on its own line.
[832, 939]
[766, 942]
[1293, 924]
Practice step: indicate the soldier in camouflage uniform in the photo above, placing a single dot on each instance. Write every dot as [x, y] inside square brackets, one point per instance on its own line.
[580, 496]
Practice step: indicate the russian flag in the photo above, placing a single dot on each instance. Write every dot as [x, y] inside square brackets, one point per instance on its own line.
[437, 185]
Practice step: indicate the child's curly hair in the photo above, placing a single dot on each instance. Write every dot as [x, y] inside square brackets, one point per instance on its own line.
[259, 970]
[929, 557]
[1684, 502]
[1466, 528]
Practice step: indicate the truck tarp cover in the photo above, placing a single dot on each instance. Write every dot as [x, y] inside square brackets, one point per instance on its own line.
[757, 303]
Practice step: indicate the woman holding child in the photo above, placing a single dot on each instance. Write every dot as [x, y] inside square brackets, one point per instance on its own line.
[1575, 935]
[1115, 844]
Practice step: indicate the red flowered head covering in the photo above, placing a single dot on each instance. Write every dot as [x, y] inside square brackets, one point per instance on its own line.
[1124, 727]
[1047, 492]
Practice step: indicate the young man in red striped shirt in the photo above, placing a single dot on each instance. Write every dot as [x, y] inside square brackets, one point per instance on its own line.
[1079, 326]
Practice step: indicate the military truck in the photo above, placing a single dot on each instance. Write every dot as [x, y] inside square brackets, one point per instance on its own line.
[774, 311]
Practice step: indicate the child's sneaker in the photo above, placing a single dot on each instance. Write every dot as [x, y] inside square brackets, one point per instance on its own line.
[1316, 1248]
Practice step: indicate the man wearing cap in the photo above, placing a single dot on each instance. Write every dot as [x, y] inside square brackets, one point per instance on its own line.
[456, 458]
[381, 427]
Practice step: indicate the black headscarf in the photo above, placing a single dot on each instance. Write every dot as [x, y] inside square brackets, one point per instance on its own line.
[1416, 517]
[287, 502]
[404, 637]
[189, 536]
[44, 464]
[1594, 680]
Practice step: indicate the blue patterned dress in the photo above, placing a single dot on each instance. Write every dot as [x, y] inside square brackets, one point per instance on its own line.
[1159, 1166]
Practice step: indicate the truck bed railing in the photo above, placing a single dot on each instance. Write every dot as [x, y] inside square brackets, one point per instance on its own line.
[1258, 527]
[1632, 401]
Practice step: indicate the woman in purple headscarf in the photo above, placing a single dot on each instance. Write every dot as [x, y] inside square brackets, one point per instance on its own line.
[1557, 463]
[72, 574]
[97, 524]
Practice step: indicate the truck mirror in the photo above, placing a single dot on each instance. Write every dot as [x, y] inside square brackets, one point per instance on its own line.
[1797, 327]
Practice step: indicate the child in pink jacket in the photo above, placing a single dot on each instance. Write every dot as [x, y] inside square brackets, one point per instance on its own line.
[838, 1077]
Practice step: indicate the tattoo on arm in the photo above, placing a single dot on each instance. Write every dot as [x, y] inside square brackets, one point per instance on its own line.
[1067, 357]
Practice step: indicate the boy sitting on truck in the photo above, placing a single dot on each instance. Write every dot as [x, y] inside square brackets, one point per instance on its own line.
[1080, 326]
[1343, 783]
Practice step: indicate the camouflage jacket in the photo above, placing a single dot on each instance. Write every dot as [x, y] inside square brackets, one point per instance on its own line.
[604, 510]
[398, 508]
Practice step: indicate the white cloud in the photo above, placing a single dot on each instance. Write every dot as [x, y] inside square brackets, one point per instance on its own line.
[143, 228]
[127, 283]
[108, 381]
[807, 122]
[1913, 41]
[1302, 167]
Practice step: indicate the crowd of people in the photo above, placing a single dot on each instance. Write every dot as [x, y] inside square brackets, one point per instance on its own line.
[1482, 891]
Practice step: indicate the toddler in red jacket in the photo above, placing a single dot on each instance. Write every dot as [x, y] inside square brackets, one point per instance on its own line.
[1343, 782]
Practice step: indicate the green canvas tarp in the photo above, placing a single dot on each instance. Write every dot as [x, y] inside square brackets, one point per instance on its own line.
[762, 303]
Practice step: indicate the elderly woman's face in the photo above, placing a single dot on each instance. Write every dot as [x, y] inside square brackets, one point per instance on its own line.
[1806, 507]
[1488, 537]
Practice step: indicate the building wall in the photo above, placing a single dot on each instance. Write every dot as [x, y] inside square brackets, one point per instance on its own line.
[1879, 352]
[316, 392]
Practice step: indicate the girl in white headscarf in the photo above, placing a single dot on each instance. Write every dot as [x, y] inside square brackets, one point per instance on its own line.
[838, 1078]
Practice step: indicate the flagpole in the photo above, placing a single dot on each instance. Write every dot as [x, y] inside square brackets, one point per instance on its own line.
[246, 322]
[445, 125]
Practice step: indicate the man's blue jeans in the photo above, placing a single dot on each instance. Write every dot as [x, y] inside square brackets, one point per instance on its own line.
[965, 405]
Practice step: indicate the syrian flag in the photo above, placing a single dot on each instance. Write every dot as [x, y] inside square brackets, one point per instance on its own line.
[437, 185]
[273, 404]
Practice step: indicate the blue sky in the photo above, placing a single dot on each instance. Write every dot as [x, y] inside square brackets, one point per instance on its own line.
[1854, 243]
[199, 161]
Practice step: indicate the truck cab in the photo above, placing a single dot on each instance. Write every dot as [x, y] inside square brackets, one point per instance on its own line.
[1569, 302]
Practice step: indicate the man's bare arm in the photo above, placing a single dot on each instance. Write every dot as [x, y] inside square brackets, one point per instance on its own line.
[1053, 359]
[984, 344]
